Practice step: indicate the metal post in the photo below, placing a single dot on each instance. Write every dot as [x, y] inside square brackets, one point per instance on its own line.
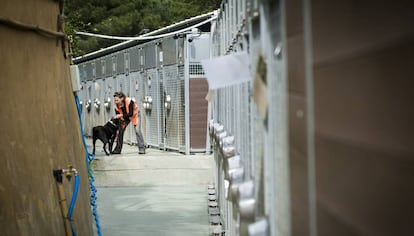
[307, 22]
[187, 95]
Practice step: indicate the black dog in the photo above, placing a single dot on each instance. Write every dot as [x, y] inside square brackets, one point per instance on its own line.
[106, 134]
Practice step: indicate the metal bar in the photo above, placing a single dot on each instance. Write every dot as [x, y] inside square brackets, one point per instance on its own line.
[310, 122]
[187, 95]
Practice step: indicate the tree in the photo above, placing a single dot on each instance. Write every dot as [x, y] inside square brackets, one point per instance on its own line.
[125, 18]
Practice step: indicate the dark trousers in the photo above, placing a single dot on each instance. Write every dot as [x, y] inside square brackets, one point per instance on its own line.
[120, 139]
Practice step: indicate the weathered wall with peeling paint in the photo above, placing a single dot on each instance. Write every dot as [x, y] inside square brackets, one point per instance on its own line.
[39, 126]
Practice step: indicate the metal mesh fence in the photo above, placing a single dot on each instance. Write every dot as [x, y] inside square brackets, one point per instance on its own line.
[181, 108]
[160, 107]
[120, 62]
[196, 70]
[129, 132]
[89, 109]
[108, 101]
[153, 70]
[260, 142]
[173, 122]
[153, 116]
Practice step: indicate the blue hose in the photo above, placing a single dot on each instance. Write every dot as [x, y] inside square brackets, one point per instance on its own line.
[72, 203]
[89, 157]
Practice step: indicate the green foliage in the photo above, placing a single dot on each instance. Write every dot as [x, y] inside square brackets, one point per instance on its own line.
[125, 18]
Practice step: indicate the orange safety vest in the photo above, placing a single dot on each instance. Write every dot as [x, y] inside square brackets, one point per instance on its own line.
[134, 117]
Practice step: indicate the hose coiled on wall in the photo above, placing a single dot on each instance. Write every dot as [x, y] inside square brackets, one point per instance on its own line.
[89, 157]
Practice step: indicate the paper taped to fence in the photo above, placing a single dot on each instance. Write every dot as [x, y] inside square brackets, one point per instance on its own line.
[227, 70]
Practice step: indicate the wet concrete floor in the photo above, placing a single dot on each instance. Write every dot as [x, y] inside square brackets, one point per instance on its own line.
[155, 194]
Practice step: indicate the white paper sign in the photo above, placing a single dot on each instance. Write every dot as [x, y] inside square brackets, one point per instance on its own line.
[227, 70]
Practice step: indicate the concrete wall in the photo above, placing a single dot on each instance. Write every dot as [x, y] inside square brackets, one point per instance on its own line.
[40, 128]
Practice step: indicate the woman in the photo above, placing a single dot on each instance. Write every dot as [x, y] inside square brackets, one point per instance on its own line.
[128, 111]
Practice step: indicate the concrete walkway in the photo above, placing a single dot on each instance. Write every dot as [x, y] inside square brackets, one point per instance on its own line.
[159, 193]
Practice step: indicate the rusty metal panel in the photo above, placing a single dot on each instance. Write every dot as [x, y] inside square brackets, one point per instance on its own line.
[362, 135]
[298, 126]
[198, 113]
[361, 89]
[41, 130]
[354, 110]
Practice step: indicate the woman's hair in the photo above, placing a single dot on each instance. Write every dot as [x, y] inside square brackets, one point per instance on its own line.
[119, 95]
